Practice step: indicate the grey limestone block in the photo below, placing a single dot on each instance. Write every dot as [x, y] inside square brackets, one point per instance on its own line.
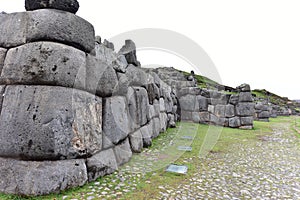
[245, 97]
[49, 63]
[245, 109]
[229, 111]
[163, 118]
[43, 63]
[234, 99]
[138, 106]
[156, 127]
[246, 121]
[2, 57]
[65, 5]
[123, 152]
[186, 115]
[101, 164]
[234, 122]
[147, 132]
[136, 141]
[204, 117]
[187, 103]
[201, 103]
[115, 120]
[129, 51]
[196, 117]
[46, 25]
[49, 123]
[31, 178]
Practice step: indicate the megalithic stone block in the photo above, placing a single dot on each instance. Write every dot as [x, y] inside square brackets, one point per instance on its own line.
[41, 178]
[49, 63]
[46, 25]
[65, 5]
[49, 123]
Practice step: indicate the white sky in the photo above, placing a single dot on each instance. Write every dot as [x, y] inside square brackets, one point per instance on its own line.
[255, 42]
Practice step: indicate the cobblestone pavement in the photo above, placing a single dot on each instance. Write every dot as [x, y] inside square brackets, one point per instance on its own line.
[268, 168]
[264, 169]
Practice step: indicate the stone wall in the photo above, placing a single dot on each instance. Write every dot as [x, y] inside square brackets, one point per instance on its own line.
[210, 106]
[72, 109]
[264, 110]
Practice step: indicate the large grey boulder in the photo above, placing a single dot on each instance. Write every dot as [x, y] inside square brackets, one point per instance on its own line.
[244, 88]
[129, 51]
[43, 63]
[97, 78]
[187, 103]
[46, 25]
[201, 103]
[40, 178]
[107, 55]
[138, 106]
[186, 115]
[2, 57]
[245, 109]
[147, 132]
[115, 119]
[109, 44]
[247, 121]
[234, 99]
[162, 105]
[264, 114]
[163, 119]
[65, 5]
[49, 123]
[229, 111]
[220, 110]
[136, 141]
[216, 120]
[101, 164]
[196, 117]
[49, 63]
[245, 97]
[234, 122]
[123, 152]
[156, 127]
[204, 117]
[171, 120]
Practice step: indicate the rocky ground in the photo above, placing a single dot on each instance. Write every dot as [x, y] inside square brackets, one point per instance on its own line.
[267, 168]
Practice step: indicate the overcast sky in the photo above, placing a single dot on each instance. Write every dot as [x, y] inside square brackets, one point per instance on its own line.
[255, 42]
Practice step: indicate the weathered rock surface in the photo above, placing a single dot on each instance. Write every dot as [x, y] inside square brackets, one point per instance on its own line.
[115, 119]
[234, 122]
[49, 123]
[43, 63]
[147, 132]
[129, 51]
[40, 178]
[65, 5]
[101, 164]
[123, 152]
[245, 109]
[136, 141]
[46, 25]
[2, 57]
[244, 88]
[245, 97]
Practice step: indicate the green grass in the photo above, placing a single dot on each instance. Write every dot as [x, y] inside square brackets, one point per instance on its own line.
[227, 137]
[217, 140]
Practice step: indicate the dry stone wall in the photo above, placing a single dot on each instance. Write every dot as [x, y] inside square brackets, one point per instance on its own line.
[265, 110]
[210, 106]
[72, 109]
